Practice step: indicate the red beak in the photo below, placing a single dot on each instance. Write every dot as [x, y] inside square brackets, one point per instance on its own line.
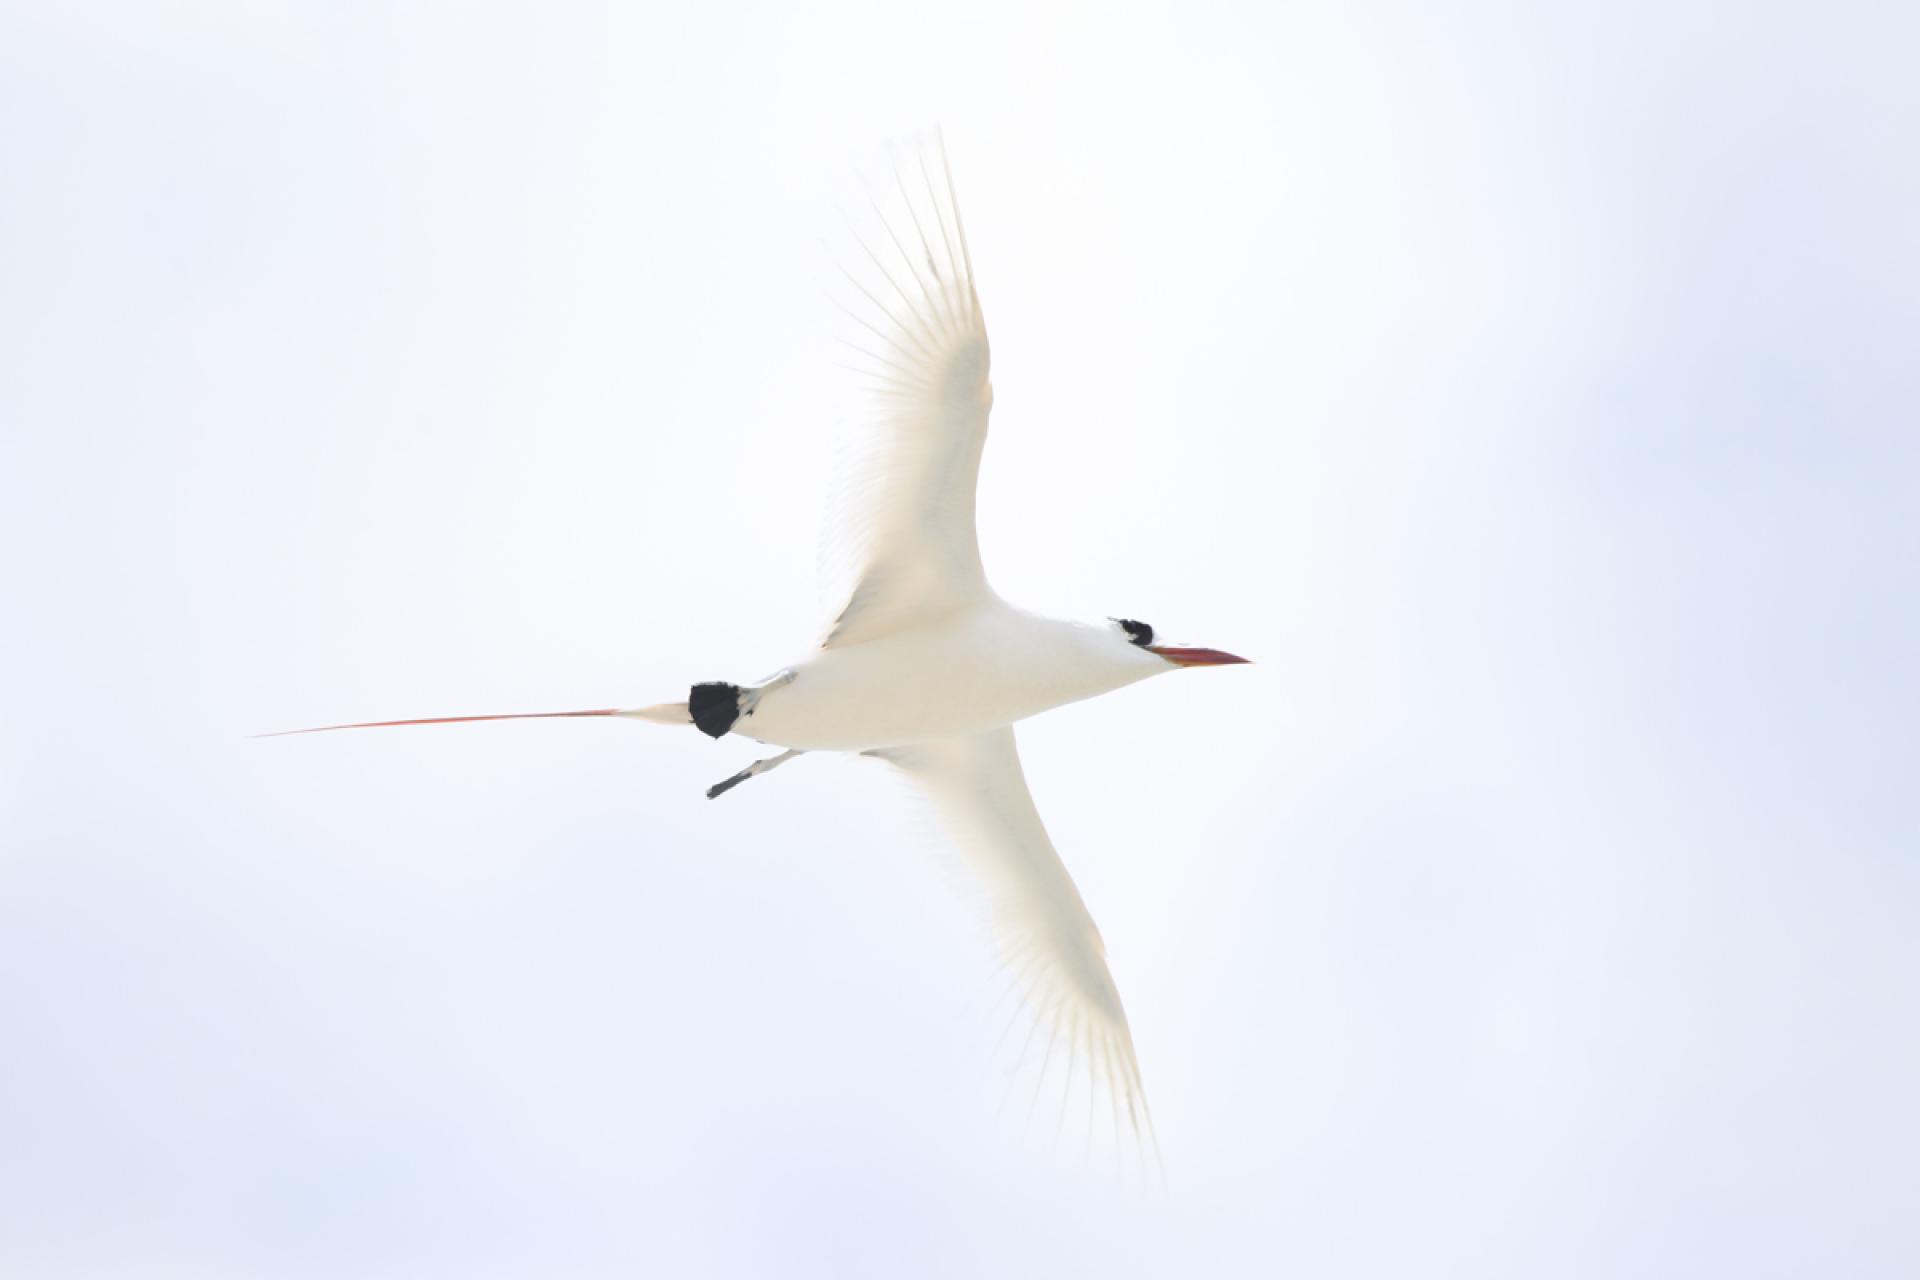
[1194, 657]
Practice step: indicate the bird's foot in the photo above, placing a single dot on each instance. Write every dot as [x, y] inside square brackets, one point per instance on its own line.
[750, 697]
[753, 770]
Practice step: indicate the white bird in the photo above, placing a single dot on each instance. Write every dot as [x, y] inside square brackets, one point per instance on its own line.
[925, 666]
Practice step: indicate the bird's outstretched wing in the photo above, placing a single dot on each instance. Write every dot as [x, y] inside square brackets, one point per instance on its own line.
[1041, 925]
[901, 519]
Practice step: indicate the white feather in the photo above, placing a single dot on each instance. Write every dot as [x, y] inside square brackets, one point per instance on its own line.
[1041, 926]
[901, 534]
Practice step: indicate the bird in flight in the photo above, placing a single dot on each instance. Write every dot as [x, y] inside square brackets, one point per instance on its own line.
[925, 666]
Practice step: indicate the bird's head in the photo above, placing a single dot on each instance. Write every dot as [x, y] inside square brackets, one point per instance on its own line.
[1141, 636]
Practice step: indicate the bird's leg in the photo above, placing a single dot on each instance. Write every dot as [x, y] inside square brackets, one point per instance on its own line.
[753, 770]
[750, 697]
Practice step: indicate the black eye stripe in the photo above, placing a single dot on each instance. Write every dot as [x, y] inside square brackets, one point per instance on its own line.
[1139, 632]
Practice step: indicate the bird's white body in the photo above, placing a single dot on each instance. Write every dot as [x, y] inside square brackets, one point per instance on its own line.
[982, 667]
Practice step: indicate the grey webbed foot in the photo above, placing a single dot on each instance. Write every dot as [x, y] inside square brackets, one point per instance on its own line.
[753, 770]
[750, 697]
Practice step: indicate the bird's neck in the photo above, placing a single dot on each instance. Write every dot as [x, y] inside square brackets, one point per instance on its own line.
[1080, 659]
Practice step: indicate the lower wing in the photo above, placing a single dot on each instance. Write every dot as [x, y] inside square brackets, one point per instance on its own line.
[1041, 925]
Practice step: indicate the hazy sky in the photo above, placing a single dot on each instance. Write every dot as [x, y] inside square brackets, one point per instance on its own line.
[1530, 390]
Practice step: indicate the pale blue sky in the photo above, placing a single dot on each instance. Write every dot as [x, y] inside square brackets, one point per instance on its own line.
[1530, 391]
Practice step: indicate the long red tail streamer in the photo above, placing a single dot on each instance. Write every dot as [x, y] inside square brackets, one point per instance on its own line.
[389, 724]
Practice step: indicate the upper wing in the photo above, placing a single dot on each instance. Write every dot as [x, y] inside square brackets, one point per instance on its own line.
[1041, 925]
[902, 518]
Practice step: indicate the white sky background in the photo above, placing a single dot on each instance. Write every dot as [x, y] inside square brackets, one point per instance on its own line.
[1533, 397]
